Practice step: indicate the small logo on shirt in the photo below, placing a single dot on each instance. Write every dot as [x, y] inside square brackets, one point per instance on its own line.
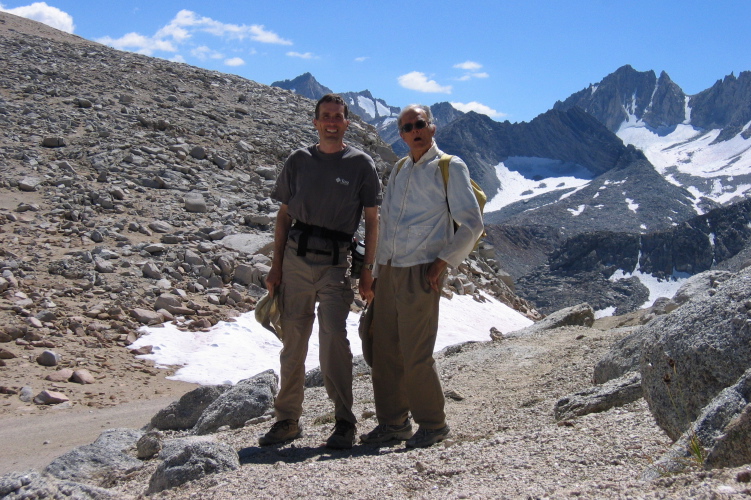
[343, 182]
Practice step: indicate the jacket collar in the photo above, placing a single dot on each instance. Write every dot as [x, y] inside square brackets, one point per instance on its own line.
[429, 155]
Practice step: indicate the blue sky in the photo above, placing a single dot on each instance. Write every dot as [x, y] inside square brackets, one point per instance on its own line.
[509, 59]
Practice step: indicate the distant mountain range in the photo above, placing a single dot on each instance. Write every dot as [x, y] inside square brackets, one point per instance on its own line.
[372, 110]
[699, 142]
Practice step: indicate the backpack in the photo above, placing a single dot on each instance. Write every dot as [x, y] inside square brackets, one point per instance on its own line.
[480, 195]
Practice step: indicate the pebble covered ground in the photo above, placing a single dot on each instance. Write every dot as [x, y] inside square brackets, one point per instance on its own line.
[505, 442]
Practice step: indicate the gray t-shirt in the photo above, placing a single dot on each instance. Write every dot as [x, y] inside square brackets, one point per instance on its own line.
[328, 190]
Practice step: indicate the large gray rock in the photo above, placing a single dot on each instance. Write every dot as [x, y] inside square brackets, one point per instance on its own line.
[617, 392]
[249, 244]
[93, 462]
[29, 183]
[195, 203]
[248, 399]
[720, 437]
[696, 352]
[245, 274]
[700, 285]
[622, 358]
[189, 459]
[185, 412]
[168, 302]
[146, 317]
[579, 315]
[624, 355]
[31, 484]
[48, 358]
[730, 414]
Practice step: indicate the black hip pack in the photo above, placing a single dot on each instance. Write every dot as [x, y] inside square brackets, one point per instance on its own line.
[337, 238]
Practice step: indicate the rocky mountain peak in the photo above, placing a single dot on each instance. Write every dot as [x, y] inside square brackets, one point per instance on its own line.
[661, 104]
[726, 105]
[444, 113]
[629, 93]
[305, 85]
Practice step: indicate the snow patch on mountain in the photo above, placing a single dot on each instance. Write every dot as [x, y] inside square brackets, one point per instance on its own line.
[381, 109]
[688, 151]
[523, 178]
[368, 105]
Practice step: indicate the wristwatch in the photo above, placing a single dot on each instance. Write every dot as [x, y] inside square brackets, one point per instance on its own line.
[369, 267]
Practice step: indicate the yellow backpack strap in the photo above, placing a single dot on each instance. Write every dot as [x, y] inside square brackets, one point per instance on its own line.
[400, 164]
[444, 164]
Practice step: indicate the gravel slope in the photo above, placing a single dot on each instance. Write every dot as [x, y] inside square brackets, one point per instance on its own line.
[505, 442]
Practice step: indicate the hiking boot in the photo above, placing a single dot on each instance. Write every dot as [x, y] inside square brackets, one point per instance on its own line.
[384, 432]
[427, 437]
[281, 431]
[343, 436]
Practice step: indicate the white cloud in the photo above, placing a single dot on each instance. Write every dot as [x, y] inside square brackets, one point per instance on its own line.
[138, 43]
[419, 81]
[469, 76]
[181, 29]
[203, 52]
[468, 65]
[307, 55]
[361, 59]
[185, 22]
[234, 61]
[471, 69]
[177, 58]
[46, 14]
[478, 108]
[259, 34]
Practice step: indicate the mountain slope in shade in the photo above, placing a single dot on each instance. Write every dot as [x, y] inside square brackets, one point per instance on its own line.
[573, 139]
[631, 197]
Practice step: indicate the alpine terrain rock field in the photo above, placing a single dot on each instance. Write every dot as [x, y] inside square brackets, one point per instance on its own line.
[135, 191]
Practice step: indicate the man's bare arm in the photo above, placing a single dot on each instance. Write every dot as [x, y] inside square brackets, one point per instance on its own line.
[371, 239]
[283, 223]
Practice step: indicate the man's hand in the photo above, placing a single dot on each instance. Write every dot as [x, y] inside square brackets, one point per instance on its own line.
[435, 274]
[273, 279]
[365, 285]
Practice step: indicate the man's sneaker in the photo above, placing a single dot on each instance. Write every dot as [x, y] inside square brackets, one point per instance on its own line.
[343, 436]
[427, 437]
[281, 431]
[384, 432]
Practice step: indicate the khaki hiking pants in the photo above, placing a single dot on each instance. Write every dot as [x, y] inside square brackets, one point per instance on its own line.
[305, 281]
[405, 325]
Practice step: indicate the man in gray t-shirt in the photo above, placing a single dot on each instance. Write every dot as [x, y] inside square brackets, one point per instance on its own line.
[323, 190]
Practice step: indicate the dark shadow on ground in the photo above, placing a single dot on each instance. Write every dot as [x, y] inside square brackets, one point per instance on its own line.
[289, 453]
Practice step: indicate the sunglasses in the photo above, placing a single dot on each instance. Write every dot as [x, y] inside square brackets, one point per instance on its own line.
[419, 125]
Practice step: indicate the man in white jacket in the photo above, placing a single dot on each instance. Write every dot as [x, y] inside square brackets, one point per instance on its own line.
[425, 226]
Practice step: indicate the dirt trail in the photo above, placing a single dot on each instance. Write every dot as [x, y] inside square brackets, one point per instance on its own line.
[33, 441]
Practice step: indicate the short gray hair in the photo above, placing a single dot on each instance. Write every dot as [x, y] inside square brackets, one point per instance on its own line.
[416, 107]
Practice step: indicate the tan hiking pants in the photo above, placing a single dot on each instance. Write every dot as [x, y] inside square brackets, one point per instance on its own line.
[305, 281]
[405, 325]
